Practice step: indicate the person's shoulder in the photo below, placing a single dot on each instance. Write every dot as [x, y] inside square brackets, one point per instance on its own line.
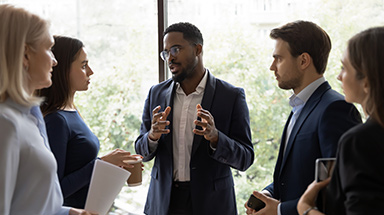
[366, 130]
[14, 121]
[57, 117]
[332, 95]
[221, 84]
[331, 99]
[163, 84]
[363, 138]
[9, 113]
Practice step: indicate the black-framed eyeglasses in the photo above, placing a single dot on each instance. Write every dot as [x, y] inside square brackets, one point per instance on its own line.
[174, 51]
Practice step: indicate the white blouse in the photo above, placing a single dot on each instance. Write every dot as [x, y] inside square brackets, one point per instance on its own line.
[28, 178]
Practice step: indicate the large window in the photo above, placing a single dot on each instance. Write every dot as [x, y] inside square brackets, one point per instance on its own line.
[121, 39]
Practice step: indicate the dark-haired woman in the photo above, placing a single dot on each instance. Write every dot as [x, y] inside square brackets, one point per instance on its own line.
[74, 145]
[357, 184]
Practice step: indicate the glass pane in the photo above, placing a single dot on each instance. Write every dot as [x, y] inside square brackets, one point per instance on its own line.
[237, 48]
[121, 40]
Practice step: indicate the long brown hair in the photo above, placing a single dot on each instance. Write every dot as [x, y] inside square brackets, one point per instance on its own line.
[366, 53]
[66, 50]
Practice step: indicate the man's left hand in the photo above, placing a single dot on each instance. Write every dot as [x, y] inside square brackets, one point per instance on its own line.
[207, 124]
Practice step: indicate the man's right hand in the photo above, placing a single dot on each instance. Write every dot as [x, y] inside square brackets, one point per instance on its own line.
[159, 122]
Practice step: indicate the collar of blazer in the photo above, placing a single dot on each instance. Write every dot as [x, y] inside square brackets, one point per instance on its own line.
[312, 102]
[206, 103]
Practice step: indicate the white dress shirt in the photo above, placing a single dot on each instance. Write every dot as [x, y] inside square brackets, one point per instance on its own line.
[28, 178]
[184, 115]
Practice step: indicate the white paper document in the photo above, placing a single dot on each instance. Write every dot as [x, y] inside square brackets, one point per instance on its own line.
[106, 183]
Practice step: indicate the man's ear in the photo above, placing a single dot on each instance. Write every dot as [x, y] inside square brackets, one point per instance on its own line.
[304, 60]
[199, 49]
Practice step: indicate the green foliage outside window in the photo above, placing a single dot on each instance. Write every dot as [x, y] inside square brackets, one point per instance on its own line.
[113, 105]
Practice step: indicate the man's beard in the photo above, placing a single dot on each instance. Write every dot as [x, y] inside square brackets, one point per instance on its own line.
[187, 73]
[179, 77]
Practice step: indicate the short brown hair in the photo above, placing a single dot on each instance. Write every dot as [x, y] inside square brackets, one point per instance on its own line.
[306, 37]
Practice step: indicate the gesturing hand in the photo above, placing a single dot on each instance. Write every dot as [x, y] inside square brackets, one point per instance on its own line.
[207, 124]
[159, 121]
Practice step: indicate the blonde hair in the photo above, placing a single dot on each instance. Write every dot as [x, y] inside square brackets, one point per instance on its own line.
[18, 29]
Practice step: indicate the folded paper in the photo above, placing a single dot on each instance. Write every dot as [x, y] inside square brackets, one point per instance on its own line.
[106, 183]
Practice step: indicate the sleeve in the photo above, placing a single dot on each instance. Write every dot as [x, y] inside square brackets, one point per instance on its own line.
[289, 207]
[338, 118]
[63, 211]
[142, 146]
[361, 174]
[59, 134]
[9, 162]
[269, 188]
[236, 149]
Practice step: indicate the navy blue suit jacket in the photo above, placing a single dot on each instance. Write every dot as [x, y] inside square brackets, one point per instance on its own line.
[212, 186]
[322, 121]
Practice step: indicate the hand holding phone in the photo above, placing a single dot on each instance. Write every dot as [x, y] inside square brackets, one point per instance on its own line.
[255, 203]
[324, 168]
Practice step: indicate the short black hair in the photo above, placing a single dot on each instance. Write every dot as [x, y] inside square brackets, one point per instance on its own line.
[190, 32]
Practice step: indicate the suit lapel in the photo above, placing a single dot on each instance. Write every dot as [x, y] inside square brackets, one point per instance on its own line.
[312, 102]
[282, 145]
[206, 103]
[169, 102]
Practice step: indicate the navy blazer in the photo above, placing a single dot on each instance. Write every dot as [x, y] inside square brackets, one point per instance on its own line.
[212, 187]
[322, 121]
[357, 184]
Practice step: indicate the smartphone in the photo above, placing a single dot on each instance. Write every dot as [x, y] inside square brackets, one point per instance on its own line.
[255, 203]
[324, 168]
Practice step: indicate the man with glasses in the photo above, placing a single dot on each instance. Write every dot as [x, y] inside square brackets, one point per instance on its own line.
[196, 127]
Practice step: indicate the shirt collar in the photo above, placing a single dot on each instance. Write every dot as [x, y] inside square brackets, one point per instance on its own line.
[306, 92]
[199, 89]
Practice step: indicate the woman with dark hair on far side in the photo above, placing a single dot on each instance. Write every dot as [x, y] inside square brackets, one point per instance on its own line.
[357, 183]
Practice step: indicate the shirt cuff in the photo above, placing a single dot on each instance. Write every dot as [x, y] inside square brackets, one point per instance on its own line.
[278, 209]
[267, 193]
[63, 211]
[152, 145]
[210, 145]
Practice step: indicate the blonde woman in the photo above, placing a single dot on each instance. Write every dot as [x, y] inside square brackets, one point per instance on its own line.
[28, 181]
